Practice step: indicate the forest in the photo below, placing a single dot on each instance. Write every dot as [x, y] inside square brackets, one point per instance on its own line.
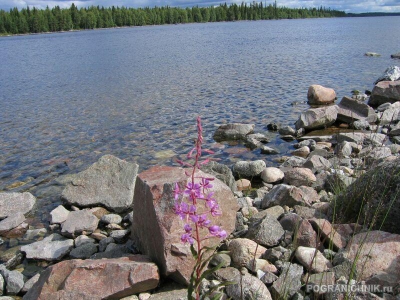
[33, 20]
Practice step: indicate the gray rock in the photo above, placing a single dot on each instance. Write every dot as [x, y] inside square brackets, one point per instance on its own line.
[290, 222]
[375, 139]
[249, 287]
[243, 251]
[83, 251]
[385, 91]
[234, 131]
[337, 182]
[361, 125]
[302, 152]
[396, 55]
[374, 54]
[268, 278]
[310, 143]
[315, 118]
[391, 74]
[14, 280]
[293, 161]
[78, 222]
[390, 116]
[267, 231]
[354, 137]
[283, 194]
[119, 235]
[350, 110]
[58, 215]
[11, 203]
[12, 221]
[383, 107]
[373, 155]
[168, 291]
[374, 199]
[248, 168]
[83, 239]
[29, 283]
[317, 163]
[104, 243]
[111, 219]
[222, 172]
[52, 248]
[109, 182]
[268, 150]
[114, 251]
[34, 234]
[299, 176]
[287, 130]
[221, 258]
[289, 281]
[2, 285]
[256, 140]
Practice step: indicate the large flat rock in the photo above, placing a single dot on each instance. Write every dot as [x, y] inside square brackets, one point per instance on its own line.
[52, 248]
[110, 182]
[96, 279]
[11, 203]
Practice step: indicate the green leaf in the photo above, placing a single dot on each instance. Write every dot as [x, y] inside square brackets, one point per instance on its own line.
[194, 252]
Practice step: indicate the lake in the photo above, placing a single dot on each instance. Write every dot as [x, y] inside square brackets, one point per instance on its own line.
[68, 98]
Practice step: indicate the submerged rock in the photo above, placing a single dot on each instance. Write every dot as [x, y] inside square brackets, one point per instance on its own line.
[234, 131]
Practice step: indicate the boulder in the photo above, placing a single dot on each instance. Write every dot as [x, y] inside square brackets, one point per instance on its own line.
[11, 203]
[11, 222]
[390, 116]
[255, 140]
[14, 280]
[374, 54]
[52, 248]
[248, 287]
[272, 175]
[289, 281]
[58, 215]
[391, 74]
[377, 257]
[302, 152]
[283, 194]
[233, 131]
[220, 171]
[319, 95]
[299, 176]
[317, 163]
[316, 118]
[267, 231]
[350, 110]
[248, 168]
[110, 182]
[111, 219]
[312, 259]
[157, 230]
[395, 55]
[96, 279]
[243, 251]
[83, 251]
[377, 201]
[78, 222]
[385, 91]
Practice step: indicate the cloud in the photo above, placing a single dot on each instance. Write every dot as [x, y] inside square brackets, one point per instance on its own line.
[356, 6]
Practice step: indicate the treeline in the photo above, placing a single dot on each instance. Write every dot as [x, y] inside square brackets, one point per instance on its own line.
[32, 20]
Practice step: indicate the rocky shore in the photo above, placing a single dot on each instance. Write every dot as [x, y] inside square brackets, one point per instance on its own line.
[325, 219]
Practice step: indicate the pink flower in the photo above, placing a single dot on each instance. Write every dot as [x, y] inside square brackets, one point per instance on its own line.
[187, 238]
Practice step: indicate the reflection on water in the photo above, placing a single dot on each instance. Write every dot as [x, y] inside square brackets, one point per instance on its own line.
[69, 98]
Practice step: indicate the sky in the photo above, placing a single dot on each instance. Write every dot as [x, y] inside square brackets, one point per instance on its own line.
[349, 6]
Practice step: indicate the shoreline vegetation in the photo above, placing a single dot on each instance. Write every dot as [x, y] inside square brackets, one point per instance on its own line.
[32, 20]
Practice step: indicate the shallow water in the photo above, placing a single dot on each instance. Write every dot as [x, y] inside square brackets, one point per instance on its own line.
[68, 98]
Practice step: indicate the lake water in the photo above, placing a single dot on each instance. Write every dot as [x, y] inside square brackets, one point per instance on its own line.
[68, 98]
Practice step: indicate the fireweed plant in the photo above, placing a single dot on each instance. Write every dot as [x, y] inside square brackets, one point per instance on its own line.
[195, 205]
